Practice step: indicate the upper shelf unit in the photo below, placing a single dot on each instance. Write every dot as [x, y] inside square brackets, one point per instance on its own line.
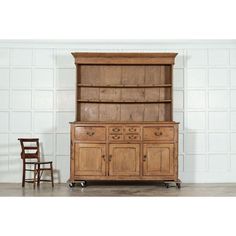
[124, 86]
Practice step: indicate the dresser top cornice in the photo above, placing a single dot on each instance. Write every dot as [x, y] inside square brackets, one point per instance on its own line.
[124, 57]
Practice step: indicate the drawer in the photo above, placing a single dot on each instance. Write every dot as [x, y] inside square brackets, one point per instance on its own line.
[90, 133]
[116, 130]
[130, 137]
[158, 133]
[115, 137]
[132, 129]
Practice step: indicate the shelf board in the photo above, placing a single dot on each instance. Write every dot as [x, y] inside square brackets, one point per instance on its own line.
[126, 86]
[121, 101]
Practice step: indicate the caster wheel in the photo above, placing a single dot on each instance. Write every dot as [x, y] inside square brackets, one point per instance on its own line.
[71, 185]
[178, 185]
[83, 184]
[167, 185]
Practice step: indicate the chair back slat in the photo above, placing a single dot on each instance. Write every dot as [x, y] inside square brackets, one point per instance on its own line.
[27, 150]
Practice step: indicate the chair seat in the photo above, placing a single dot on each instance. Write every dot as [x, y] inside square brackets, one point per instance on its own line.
[38, 162]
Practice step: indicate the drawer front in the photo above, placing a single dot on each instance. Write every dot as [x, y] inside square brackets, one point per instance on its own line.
[132, 137]
[115, 137]
[90, 133]
[132, 129]
[158, 133]
[116, 130]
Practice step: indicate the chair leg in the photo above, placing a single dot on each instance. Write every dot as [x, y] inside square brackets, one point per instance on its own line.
[23, 175]
[38, 179]
[35, 174]
[52, 179]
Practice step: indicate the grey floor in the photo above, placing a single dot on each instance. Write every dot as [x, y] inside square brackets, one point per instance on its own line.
[119, 189]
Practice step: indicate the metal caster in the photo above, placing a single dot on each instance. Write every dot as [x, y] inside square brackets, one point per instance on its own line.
[167, 185]
[83, 184]
[71, 185]
[178, 185]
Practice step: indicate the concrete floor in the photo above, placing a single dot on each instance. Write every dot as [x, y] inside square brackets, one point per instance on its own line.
[120, 189]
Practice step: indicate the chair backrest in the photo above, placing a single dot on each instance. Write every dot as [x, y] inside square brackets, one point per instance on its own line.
[29, 148]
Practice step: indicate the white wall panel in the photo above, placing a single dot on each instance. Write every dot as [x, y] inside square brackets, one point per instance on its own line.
[37, 99]
[197, 78]
[233, 57]
[196, 120]
[218, 143]
[21, 78]
[4, 78]
[62, 121]
[21, 100]
[4, 101]
[196, 99]
[63, 144]
[218, 99]
[218, 77]
[197, 57]
[4, 144]
[42, 78]
[21, 121]
[218, 57]
[21, 57]
[43, 122]
[195, 143]
[219, 163]
[4, 122]
[178, 100]
[4, 57]
[65, 78]
[43, 100]
[233, 77]
[43, 57]
[218, 120]
[179, 78]
[195, 163]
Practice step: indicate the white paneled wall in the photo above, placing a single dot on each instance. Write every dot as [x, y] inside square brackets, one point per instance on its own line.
[37, 93]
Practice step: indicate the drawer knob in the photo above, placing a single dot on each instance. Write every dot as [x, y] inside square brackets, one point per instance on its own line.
[90, 133]
[115, 137]
[144, 157]
[104, 157]
[115, 129]
[132, 129]
[158, 133]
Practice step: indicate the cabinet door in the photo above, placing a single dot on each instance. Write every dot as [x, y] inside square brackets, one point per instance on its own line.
[124, 159]
[90, 159]
[158, 159]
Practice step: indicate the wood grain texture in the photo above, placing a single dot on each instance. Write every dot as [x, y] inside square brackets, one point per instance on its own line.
[124, 128]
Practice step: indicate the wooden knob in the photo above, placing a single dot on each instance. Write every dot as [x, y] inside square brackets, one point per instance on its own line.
[90, 133]
[116, 129]
[144, 157]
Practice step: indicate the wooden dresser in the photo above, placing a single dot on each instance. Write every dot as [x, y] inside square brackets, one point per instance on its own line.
[124, 128]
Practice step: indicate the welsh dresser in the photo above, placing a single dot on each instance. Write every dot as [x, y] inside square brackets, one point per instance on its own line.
[124, 128]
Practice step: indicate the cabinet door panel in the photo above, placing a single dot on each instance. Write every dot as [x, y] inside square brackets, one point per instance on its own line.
[89, 159]
[124, 159]
[158, 159]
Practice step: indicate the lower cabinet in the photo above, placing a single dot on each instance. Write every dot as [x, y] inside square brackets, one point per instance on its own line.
[158, 159]
[124, 152]
[90, 159]
[124, 159]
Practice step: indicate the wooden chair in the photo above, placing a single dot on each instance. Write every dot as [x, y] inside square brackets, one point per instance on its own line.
[30, 156]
